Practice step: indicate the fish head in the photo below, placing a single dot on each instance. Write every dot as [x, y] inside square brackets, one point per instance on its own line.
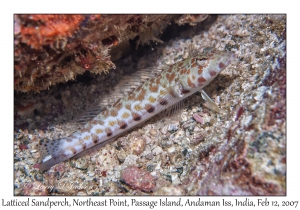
[206, 66]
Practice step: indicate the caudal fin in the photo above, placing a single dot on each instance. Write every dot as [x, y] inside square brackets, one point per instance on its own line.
[51, 154]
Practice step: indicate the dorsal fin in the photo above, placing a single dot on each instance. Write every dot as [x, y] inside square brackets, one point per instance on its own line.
[126, 85]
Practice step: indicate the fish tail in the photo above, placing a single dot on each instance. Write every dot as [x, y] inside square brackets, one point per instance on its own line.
[51, 153]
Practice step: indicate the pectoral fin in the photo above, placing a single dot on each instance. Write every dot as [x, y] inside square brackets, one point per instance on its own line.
[209, 103]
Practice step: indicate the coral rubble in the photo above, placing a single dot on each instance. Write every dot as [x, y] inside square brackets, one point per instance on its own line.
[50, 49]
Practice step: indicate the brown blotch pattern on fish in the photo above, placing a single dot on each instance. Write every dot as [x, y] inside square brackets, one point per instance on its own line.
[136, 117]
[182, 71]
[190, 83]
[185, 91]
[212, 73]
[153, 87]
[139, 88]
[118, 105]
[180, 64]
[201, 80]
[194, 65]
[108, 132]
[170, 69]
[221, 65]
[95, 138]
[149, 108]
[152, 80]
[83, 146]
[141, 96]
[72, 149]
[157, 81]
[200, 70]
[170, 77]
[113, 113]
[87, 128]
[193, 77]
[131, 96]
[193, 60]
[94, 122]
[122, 124]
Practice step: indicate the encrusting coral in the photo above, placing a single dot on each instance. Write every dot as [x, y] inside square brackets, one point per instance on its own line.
[49, 49]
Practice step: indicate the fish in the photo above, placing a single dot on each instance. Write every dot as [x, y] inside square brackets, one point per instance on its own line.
[158, 93]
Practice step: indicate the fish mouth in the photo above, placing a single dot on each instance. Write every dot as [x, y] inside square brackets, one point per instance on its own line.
[231, 58]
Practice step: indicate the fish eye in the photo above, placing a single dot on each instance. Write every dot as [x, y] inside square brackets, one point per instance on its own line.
[201, 61]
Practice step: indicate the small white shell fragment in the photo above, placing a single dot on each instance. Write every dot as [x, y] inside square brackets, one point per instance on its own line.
[147, 138]
[173, 127]
[260, 92]
[157, 150]
[248, 120]
[172, 149]
[164, 130]
[130, 160]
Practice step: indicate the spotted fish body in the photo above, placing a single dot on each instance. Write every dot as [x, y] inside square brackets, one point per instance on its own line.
[153, 96]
